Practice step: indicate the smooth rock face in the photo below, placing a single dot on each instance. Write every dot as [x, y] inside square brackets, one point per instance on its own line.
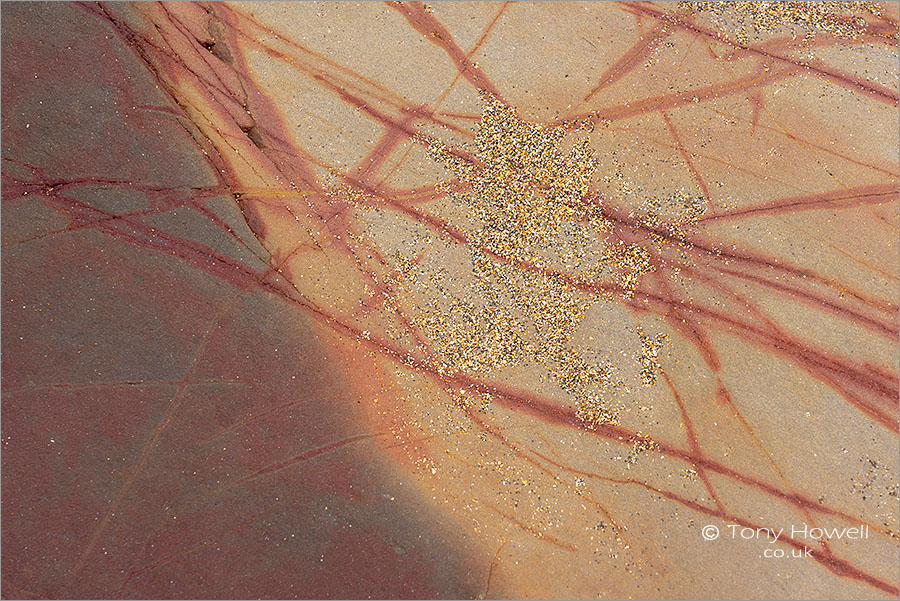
[509, 300]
